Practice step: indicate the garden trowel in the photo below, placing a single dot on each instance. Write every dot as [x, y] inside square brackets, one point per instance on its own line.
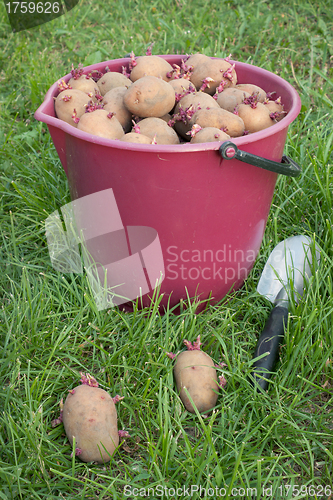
[283, 279]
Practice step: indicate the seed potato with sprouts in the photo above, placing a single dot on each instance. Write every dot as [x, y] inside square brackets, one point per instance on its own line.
[209, 134]
[195, 373]
[158, 129]
[230, 97]
[222, 119]
[151, 66]
[102, 124]
[89, 415]
[70, 105]
[255, 117]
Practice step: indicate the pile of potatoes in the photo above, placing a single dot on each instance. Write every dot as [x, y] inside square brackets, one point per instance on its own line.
[154, 102]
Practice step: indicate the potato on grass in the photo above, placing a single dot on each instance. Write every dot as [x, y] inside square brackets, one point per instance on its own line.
[222, 119]
[112, 80]
[194, 372]
[149, 96]
[89, 415]
[230, 97]
[70, 105]
[157, 129]
[256, 117]
[209, 134]
[101, 123]
[151, 66]
[114, 103]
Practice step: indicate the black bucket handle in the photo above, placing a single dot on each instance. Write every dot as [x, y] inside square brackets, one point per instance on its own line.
[289, 167]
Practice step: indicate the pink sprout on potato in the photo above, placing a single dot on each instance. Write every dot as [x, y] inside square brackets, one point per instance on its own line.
[133, 62]
[252, 100]
[66, 98]
[186, 114]
[76, 119]
[149, 50]
[269, 95]
[123, 434]
[194, 130]
[222, 379]
[117, 398]
[175, 73]
[87, 379]
[62, 85]
[171, 355]
[58, 421]
[95, 74]
[229, 73]
[78, 452]
[77, 72]
[136, 127]
[186, 71]
[219, 89]
[125, 72]
[205, 83]
[92, 106]
[195, 346]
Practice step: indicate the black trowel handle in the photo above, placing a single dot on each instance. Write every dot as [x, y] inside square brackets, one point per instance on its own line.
[269, 342]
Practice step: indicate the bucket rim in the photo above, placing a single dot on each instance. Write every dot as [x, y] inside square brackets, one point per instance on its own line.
[43, 114]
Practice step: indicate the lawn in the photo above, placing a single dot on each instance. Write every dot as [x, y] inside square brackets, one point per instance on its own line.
[278, 444]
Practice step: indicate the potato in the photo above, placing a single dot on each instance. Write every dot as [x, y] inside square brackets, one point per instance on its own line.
[70, 105]
[149, 96]
[112, 80]
[135, 137]
[220, 118]
[230, 97]
[196, 60]
[209, 134]
[186, 108]
[251, 88]
[167, 117]
[182, 86]
[151, 66]
[84, 83]
[102, 124]
[158, 129]
[195, 371]
[255, 118]
[114, 103]
[89, 415]
[210, 74]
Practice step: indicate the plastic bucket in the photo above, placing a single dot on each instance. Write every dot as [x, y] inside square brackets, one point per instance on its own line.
[208, 204]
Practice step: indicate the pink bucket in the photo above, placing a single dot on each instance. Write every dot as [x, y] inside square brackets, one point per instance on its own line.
[208, 203]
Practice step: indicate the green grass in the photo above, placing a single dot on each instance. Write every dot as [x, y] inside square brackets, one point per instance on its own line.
[50, 329]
